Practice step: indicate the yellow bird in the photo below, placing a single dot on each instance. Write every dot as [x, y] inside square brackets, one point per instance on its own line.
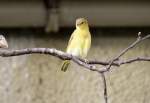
[79, 43]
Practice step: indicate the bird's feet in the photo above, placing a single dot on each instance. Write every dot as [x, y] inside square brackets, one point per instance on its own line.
[86, 61]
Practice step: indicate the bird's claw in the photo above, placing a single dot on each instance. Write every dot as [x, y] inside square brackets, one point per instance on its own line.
[86, 61]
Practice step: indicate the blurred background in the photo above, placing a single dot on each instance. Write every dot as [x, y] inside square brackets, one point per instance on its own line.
[49, 23]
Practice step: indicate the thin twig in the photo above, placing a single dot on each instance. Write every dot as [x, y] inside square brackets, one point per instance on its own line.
[116, 58]
[134, 60]
[105, 88]
[138, 40]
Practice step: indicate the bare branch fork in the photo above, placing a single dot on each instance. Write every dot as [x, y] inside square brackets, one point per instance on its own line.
[87, 64]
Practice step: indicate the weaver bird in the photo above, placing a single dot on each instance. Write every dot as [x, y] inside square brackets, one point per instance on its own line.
[79, 43]
[3, 42]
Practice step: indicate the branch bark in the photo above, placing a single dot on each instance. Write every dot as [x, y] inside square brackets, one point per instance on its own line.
[87, 64]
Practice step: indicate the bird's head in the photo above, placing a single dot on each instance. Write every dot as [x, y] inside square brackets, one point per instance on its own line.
[82, 23]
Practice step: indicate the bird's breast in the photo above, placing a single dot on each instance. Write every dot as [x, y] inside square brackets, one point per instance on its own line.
[80, 44]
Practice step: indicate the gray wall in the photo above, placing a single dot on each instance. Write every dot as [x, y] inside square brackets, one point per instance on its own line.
[38, 79]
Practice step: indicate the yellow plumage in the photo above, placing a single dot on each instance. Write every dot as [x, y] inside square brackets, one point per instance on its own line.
[79, 43]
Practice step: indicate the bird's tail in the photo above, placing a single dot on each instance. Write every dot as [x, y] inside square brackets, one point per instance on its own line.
[65, 65]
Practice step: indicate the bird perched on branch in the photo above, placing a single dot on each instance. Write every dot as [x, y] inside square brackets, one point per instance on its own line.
[3, 42]
[79, 43]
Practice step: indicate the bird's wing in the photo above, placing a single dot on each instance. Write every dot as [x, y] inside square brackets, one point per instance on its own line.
[71, 38]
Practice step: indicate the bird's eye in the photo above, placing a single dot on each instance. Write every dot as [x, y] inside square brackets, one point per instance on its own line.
[82, 22]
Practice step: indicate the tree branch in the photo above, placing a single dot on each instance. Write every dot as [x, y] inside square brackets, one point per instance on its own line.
[87, 64]
[134, 60]
[47, 51]
[105, 87]
[116, 58]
